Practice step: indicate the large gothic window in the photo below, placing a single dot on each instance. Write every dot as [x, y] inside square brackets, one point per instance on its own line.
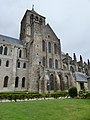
[43, 46]
[5, 51]
[23, 82]
[43, 61]
[55, 48]
[5, 81]
[56, 63]
[51, 82]
[49, 47]
[1, 49]
[50, 63]
[16, 82]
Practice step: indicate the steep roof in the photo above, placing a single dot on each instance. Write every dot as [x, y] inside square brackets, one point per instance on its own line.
[51, 30]
[10, 40]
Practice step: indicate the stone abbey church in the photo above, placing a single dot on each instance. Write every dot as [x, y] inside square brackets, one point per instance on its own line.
[35, 62]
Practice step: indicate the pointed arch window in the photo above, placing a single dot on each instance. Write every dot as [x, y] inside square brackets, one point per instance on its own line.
[5, 51]
[18, 64]
[55, 48]
[1, 49]
[41, 20]
[43, 45]
[7, 63]
[36, 18]
[51, 82]
[20, 53]
[24, 65]
[31, 18]
[5, 81]
[23, 82]
[56, 64]
[50, 63]
[43, 61]
[49, 47]
[16, 82]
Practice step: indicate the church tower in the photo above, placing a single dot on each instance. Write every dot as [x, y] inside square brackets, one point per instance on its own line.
[31, 35]
[29, 23]
[43, 52]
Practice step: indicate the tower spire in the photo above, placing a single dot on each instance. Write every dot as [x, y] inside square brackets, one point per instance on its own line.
[33, 7]
[74, 56]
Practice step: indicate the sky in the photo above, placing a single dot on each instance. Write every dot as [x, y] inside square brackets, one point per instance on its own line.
[69, 19]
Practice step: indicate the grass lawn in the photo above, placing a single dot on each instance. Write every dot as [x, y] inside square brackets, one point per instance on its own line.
[58, 109]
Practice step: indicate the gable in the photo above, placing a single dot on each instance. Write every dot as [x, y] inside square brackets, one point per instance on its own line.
[48, 32]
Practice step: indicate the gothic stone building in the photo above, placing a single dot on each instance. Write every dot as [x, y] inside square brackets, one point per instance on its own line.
[35, 62]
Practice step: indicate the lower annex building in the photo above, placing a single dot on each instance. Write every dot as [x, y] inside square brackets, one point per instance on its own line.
[35, 62]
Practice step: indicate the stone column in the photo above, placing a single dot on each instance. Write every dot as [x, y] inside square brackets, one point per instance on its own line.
[89, 83]
[46, 78]
[58, 80]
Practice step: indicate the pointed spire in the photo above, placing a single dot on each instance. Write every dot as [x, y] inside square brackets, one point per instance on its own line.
[74, 57]
[81, 58]
[88, 62]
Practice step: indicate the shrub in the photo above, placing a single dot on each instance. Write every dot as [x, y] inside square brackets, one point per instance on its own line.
[72, 92]
[84, 94]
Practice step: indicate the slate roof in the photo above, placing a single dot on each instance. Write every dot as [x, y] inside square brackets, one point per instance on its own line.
[10, 40]
[80, 77]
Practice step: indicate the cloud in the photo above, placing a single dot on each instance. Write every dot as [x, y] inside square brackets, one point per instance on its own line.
[70, 19]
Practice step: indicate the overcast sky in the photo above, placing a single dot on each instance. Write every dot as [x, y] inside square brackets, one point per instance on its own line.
[70, 20]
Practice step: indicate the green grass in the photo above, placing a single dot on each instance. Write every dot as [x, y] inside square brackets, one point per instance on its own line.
[58, 109]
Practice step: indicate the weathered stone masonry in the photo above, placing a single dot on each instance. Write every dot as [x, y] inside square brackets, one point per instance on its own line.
[35, 62]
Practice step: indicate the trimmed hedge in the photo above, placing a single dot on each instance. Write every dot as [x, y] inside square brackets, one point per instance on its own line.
[20, 96]
[26, 95]
[59, 94]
